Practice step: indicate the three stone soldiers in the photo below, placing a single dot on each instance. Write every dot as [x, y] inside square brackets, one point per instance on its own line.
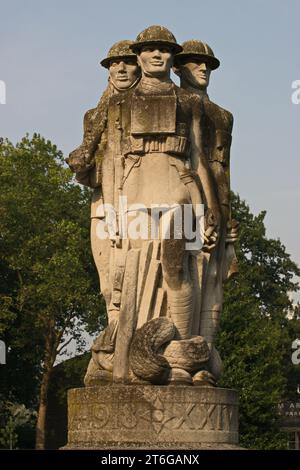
[158, 145]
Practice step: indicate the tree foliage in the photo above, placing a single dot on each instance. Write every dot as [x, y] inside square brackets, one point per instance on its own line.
[48, 285]
[13, 419]
[49, 294]
[256, 333]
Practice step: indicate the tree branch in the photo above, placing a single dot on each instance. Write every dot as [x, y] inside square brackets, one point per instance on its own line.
[58, 351]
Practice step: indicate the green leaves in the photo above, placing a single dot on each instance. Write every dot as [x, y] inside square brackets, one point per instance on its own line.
[256, 335]
[49, 291]
[49, 287]
[13, 416]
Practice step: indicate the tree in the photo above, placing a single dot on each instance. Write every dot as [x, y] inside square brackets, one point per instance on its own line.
[49, 292]
[49, 287]
[293, 359]
[13, 417]
[255, 335]
[66, 375]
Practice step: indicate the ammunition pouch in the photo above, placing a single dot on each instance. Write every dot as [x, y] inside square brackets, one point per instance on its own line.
[170, 144]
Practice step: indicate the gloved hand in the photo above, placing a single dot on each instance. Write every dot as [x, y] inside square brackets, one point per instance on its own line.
[80, 160]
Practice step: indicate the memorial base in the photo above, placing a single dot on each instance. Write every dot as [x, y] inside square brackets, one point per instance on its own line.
[152, 417]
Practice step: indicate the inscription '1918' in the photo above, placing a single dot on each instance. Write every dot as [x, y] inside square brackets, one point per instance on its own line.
[188, 417]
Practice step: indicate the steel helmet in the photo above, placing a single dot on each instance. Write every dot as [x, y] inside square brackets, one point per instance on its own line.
[119, 50]
[199, 49]
[156, 35]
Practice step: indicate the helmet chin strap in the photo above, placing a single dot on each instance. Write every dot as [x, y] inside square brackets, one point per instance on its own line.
[124, 89]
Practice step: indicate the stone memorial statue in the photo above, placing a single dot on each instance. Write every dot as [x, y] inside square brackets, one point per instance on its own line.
[194, 65]
[157, 158]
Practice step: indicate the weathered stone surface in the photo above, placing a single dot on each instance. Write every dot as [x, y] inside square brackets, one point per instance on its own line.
[153, 417]
[150, 143]
[155, 144]
[188, 354]
[194, 66]
[145, 358]
[178, 376]
[127, 321]
[143, 143]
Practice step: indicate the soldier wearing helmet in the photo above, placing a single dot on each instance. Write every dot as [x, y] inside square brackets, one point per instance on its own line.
[156, 157]
[194, 65]
[124, 74]
[87, 160]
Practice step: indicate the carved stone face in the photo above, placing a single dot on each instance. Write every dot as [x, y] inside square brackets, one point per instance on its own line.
[155, 60]
[123, 72]
[196, 73]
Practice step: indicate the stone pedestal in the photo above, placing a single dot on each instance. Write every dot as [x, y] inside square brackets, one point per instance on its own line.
[152, 417]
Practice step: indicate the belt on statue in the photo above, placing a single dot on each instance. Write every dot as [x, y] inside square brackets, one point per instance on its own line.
[171, 144]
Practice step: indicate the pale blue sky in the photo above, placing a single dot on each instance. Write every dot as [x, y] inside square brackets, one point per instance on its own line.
[49, 59]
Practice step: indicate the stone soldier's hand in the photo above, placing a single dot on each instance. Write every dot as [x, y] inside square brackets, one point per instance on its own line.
[210, 236]
[79, 160]
[209, 241]
[232, 231]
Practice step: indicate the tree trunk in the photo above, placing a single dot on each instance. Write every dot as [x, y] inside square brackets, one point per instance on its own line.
[52, 342]
[50, 356]
[40, 440]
